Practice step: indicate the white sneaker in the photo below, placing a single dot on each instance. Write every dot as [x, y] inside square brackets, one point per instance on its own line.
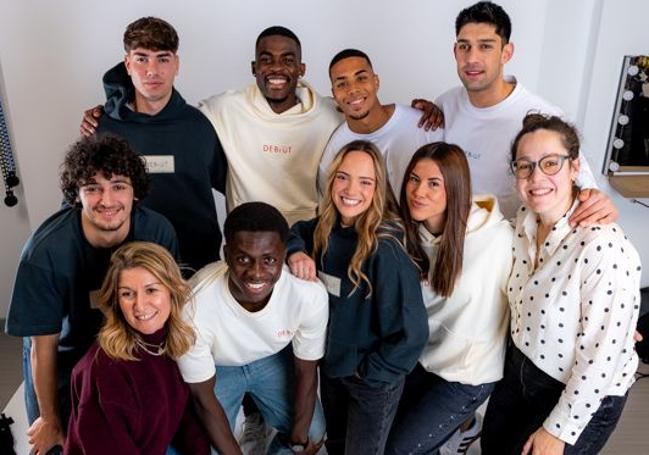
[460, 442]
[255, 436]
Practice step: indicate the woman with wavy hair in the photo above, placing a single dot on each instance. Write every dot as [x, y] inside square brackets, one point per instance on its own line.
[462, 246]
[377, 322]
[574, 296]
[127, 394]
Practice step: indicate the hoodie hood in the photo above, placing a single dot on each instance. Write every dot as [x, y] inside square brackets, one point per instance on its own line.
[120, 92]
[308, 102]
[484, 213]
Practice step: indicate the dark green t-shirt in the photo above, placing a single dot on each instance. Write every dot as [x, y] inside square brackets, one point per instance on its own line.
[60, 273]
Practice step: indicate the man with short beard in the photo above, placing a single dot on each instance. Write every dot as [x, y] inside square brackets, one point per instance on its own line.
[391, 127]
[54, 301]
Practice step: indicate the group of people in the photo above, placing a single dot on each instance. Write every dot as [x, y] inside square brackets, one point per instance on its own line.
[406, 312]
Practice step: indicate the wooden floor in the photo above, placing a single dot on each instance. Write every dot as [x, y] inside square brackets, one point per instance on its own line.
[630, 438]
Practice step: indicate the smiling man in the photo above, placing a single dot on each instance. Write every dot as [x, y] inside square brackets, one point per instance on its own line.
[484, 114]
[53, 304]
[274, 131]
[183, 154]
[260, 331]
[393, 128]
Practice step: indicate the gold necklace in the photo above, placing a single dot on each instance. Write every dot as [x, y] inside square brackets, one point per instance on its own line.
[160, 349]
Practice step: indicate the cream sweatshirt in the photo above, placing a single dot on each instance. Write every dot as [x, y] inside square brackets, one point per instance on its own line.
[273, 157]
[468, 329]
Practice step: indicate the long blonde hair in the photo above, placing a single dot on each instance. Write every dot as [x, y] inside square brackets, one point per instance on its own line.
[116, 337]
[381, 218]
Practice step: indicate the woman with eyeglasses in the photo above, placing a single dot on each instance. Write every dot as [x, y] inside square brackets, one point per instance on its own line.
[574, 301]
[128, 397]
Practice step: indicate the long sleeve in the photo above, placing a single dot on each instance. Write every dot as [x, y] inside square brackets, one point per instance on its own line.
[402, 319]
[604, 362]
[104, 417]
[191, 439]
[218, 167]
[300, 237]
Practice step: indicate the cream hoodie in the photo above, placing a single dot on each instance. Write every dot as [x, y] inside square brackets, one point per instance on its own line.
[273, 157]
[468, 329]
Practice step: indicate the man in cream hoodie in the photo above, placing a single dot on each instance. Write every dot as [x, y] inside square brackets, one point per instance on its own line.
[273, 132]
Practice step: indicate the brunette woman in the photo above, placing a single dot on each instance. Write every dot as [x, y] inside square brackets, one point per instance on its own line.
[463, 249]
[574, 300]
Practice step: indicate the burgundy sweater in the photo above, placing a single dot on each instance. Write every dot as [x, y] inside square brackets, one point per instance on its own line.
[131, 407]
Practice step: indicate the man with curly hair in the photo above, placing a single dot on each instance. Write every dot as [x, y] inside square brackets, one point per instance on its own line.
[53, 304]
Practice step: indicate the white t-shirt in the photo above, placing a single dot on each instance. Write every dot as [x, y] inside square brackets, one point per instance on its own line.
[486, 135]
[397, 140]
[228, 335]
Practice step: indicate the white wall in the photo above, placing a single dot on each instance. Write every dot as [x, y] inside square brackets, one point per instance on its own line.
[622, 31]
[53, 55]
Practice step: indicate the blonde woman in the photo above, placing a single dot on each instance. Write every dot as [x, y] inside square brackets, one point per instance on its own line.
[377, 323]
[127, 394]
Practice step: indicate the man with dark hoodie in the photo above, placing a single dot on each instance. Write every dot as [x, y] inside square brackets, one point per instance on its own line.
[181, 149]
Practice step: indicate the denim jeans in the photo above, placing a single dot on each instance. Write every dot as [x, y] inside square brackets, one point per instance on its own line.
[430, 411]
[359, 414]
[524, 398]
[270, 382]
[64, 372]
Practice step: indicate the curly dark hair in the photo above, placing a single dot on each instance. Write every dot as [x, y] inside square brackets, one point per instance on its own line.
[150, 33]
[108, 155]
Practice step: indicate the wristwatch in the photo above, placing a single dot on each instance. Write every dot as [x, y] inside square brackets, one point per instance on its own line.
[299, 447]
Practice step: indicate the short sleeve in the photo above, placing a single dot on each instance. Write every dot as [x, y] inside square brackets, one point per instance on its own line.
[37, 302]
[197, 364]
[309, 339]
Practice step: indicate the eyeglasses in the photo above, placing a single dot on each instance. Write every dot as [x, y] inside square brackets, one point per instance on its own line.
[522, 168]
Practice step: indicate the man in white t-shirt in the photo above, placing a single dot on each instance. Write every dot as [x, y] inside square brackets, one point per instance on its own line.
[260, 331]
[484, 114]
[391, 127]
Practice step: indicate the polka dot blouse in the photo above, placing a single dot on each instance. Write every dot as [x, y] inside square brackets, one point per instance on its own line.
[575, 314]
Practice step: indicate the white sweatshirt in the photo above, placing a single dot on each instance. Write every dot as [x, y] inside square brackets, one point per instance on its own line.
[273, 157]
[468, 329]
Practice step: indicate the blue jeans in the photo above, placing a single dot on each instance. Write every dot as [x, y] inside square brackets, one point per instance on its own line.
[63, 386]
[524, 398]
[270, 382]
[359, 414]
[430, 411]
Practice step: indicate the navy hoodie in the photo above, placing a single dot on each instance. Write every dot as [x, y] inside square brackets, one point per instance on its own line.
[178, 133]
[379, 336]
